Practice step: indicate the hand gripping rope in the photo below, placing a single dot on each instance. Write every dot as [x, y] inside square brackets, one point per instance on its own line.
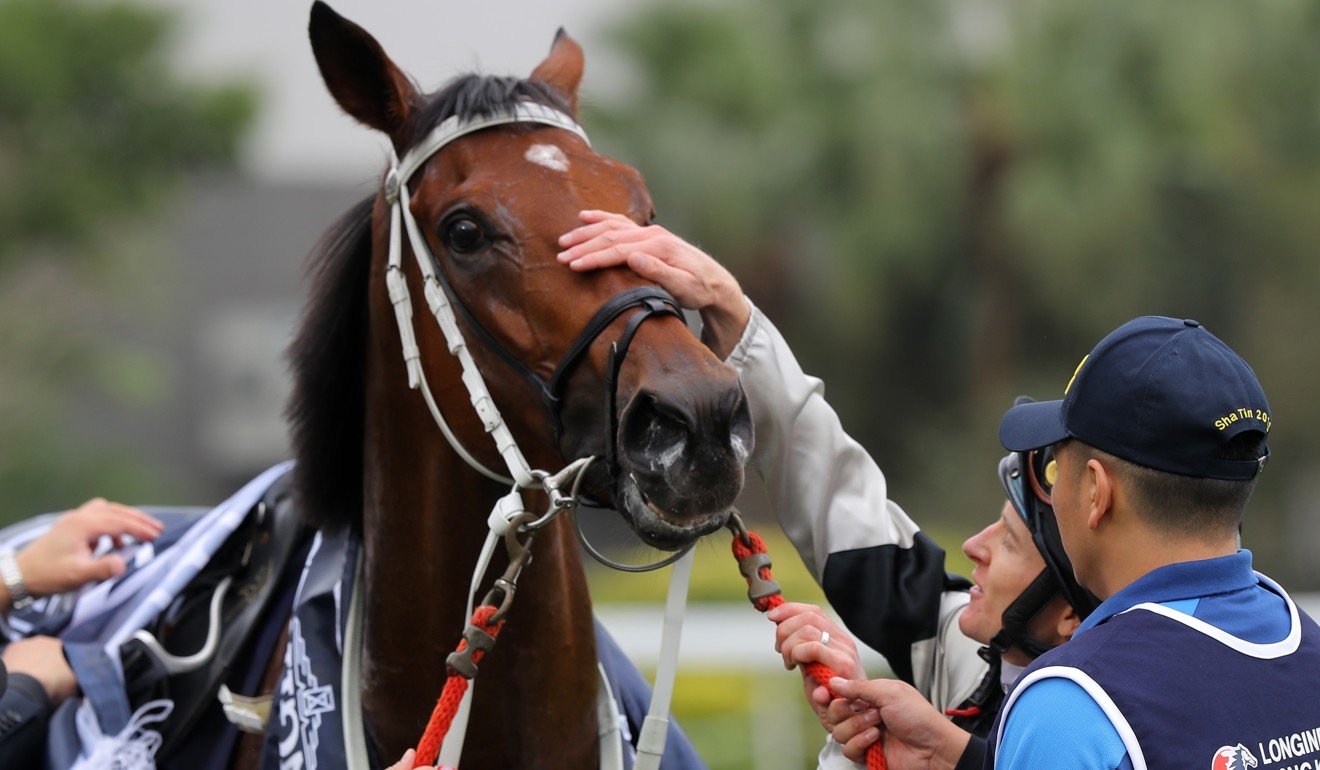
[754, 564]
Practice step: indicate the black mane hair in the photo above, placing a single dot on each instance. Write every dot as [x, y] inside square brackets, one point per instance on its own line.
[479, 96]
[326, 411]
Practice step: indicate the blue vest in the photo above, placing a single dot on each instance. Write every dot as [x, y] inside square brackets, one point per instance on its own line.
[1183, 694]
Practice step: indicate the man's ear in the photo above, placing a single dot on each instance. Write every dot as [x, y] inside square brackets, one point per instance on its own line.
[1098, 486]
[361, 78]
[563, 69]
[1068, 622]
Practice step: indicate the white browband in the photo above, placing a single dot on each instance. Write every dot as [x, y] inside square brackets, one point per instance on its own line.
[396, 193]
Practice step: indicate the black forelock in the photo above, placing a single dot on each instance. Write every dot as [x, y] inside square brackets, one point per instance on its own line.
[474, 96]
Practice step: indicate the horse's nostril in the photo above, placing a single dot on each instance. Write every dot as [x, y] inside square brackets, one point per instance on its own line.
[654, 433]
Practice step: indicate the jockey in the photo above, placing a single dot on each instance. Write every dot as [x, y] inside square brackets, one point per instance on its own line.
[955, 643]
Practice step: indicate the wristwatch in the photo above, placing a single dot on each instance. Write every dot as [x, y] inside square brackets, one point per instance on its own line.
[19, 597]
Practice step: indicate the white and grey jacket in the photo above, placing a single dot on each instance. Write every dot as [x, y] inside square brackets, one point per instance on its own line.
[883, 576]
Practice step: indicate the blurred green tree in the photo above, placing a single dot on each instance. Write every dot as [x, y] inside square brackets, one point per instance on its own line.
[945, 204]
[95, 130]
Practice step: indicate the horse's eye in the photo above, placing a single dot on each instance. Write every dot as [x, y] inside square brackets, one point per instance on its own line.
[464, 235]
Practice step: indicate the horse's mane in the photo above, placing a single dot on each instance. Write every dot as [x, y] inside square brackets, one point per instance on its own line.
[326, 410]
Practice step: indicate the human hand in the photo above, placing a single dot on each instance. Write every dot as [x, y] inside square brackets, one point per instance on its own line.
[62, 559]
[406, 763]
[42, 658]
[695, 279]
[799, 638]
[914, 733]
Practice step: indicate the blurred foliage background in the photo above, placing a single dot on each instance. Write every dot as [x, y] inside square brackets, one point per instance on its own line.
[95, 135]
[941, 205]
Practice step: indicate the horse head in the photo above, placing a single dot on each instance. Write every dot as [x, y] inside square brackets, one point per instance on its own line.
[672, 423]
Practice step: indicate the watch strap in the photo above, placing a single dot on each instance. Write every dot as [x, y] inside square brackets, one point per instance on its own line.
[19, 596]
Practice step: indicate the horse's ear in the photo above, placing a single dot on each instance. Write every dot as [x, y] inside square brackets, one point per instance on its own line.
[358, 73]
[563, 68]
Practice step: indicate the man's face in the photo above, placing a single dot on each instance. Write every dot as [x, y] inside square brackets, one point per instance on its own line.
[1006, 562]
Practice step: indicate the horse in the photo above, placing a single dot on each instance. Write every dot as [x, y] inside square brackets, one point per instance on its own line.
[668, 421]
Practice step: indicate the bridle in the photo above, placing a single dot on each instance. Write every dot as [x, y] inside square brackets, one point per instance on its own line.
[509, 519]
[647, 301]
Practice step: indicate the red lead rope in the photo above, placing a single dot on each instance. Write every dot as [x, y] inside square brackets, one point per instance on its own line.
[428, 748]
[754, 562]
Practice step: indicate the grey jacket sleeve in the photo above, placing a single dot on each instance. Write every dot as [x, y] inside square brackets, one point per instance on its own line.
[883, 576]
[24, 714]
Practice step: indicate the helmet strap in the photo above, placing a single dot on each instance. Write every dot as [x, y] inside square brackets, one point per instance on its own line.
[1018, 617]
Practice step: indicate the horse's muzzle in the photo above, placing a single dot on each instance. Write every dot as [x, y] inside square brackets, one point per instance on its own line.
[681, 456]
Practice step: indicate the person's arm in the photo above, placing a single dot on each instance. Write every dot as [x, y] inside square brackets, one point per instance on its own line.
[24, 714]
[39, 680]
[880, 573]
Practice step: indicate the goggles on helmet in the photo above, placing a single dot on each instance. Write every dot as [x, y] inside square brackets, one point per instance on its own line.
[1028, 479]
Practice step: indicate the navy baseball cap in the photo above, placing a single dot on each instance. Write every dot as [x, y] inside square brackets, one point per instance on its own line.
[1159, 392]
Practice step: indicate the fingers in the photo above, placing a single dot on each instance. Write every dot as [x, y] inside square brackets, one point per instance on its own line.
[842, 662]
[98, 517]
[791, 609]
[602, 249]
[406, 763]
[857, 733]
[591, 216]
[842, 709]
[790, 623]
[595, 228]
[876, 692]
[109, 566]
[655, 269]
[847, 688]
[803, 625]
[821, 696]
[856, 748]
[137, 523]
[801, 637]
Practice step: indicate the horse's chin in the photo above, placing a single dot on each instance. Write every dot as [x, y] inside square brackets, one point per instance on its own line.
[660, 529]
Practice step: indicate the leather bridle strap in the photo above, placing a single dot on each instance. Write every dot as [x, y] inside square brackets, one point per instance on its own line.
[444, 303]
[653, 301]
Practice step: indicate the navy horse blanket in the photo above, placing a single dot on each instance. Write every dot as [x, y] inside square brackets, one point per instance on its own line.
[117, 723]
